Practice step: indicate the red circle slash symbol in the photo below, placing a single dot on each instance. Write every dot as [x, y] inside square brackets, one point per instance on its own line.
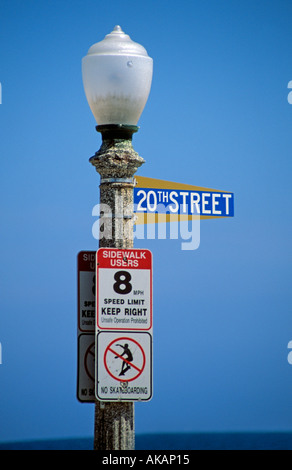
[132, 355]
[89, 360]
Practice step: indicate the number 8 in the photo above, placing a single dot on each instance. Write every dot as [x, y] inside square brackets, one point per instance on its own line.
[122, 278]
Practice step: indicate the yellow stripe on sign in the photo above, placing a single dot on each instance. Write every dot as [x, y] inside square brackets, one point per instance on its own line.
[144, 182]
[143, 218]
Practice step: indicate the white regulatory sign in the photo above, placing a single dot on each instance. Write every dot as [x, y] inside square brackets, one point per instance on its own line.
[123, 343]
[124, 289]
[124, 366]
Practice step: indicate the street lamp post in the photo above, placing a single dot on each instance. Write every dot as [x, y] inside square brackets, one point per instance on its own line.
[117, 75]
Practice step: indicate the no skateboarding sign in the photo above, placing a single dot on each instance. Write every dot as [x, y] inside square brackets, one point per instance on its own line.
[124, 367]
[86, 366]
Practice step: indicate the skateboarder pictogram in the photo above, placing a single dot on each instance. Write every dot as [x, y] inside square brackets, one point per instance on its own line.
[128, 356]
[132, 355]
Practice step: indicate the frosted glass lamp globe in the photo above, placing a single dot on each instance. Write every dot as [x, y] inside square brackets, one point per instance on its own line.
[117, 76]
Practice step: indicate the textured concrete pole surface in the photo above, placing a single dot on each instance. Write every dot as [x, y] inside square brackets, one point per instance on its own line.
[116, 162]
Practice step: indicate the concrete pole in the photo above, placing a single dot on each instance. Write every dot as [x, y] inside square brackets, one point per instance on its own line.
[116, 162]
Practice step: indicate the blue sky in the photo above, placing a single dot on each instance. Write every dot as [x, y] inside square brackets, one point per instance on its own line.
[218, 117]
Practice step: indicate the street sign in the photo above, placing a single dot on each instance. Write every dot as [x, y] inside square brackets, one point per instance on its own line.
[124, 366]
[179, 201]
[86, 326]
[124, 289]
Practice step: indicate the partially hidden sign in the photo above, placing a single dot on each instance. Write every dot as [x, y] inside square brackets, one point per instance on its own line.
[177, 201]
[86, 326]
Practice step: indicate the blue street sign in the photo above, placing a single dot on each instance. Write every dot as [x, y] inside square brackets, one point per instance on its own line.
[158, 196]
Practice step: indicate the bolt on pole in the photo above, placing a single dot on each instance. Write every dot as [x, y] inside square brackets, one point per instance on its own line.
[116, 162]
